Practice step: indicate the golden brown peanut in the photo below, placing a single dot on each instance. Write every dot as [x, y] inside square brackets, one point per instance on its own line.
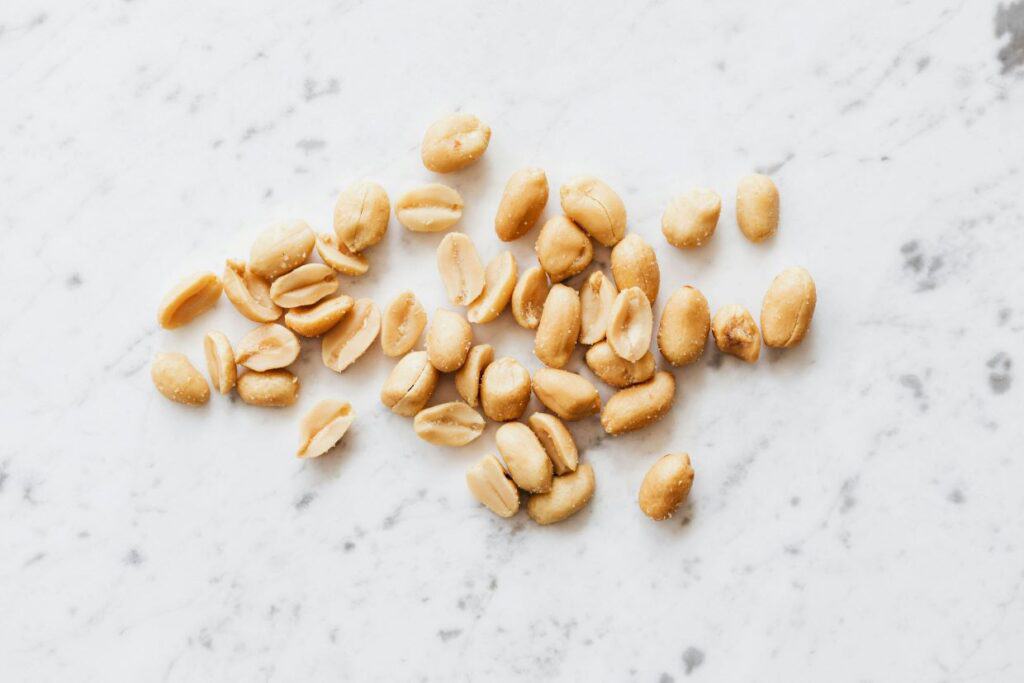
[454, 142]
[271, 389]
[557, 441]
[323, 426]
[410, 385]
[684, 326]
[467, 378]
[559, 327]
[448, 424]
[528, 297]
[460, 268]
[220, 361]
[304, 286]
[176, 378]
[630, 324]
[757, 207]
[690, 218]
[349, 339]
[312, 321]
[527, 461]
[788, 308]
[337, 256]
[616, 371]
[280, 248]
[736, 333]
[267, 347]
[666, 485]
[449, 339]
[249, 293]
[404, 320]
[361, 215]
[563, 249]
[505, 390]
[568, 495]
[565, 393]
[431, 208]
[596, 208]
[597, 296]
[635, 265]
[526, 194]
[639, 405]
[490, 484]
[191, 297]
[499, 283]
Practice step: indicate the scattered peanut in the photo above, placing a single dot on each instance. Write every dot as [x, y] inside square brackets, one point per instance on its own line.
[272, 389]
[596, 208]
[403, 323]
[757, 207]
[639, 405]
[249, 293]
[318, 318]
[281, 248]
[559, 327]
[736, 333]
[448, 424]
[499, 283]
[616, 371]
[597, 296]
[449, 339]
[505, 390]
[788, 308]
[490, 484]
[666, 485]
[349, 339]
[690, 219]
[304, 286]
[467, 378]
[528, 297]
[323, 426]
[361, 215]
[684, 326]
[635, 265]
[631, 324]
[525, 196]
[410, 385]
[431, 208]
[191, 297]
[220, 361]
[568, 495]
[460, 268]
[566, 394]
[337, 256]
[177, 379]
[527, 461]
[557, 441]
[267, 347]
[563, 250]
[454, 142]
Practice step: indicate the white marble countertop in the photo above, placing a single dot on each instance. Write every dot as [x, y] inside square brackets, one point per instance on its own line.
[858, 510]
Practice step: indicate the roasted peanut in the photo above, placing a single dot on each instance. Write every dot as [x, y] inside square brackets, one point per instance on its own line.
[528, 297]
[565, 393]
[616, 371]
[690, 219]
[559, 327]
[431, 208]
[639, 405]
[563, 249]
[448, 424]
[361, 215]
[319, 318]
[410, 385]
[505, 389]
[280, 248]
[467, 378]
[460, 268]
[271, 389]
[454, 142]
[666, 485]
[177, 379]
[268, 347]
[568, 495]
[736, 333]
[635, 265]
[249, 293]
[349, 339]
[449, 339]
[220, 361]
[631, 324]
[191, 297]
[757, 207]
[499, 282]
[490, 484]
[304, 286]
[596, 208]
[323, 426]
[684, 326]
[557, 441]
[337, 256]
[527, 461]
[788, 308]
[525, 196]
[597, 296]
[404, 320]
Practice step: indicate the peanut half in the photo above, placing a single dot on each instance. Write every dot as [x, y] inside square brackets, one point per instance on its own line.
[639, 405]
[736, 333]
[596, 208]
[631, 324]
[319, 318]
[280, 248]
[788, 308]
[505, 390]
[349, 339]
[490, 484]
[557, 441]
[666, 485]
[249, 293]
[566, 394]
[403, 323]
[304, 286]
[690, 219]
[454, 142]
[559, 327]
[616, 371]
[757, 207]
[525, 196]
[271, 389]
[635, 265]
[361, 215]
[410, 385]
[431, 208]
[597, 296]
[467, 378]
[323, 426]
[528, 297]
[177, 379]
[499, 283]
[191, 297]
[337, 256]
[562, 249]
[684, 326]
[448, 424]
[568, 495]
[268, 347]
[220, 361]
[527, 461]
[460, 268]
[449, 339]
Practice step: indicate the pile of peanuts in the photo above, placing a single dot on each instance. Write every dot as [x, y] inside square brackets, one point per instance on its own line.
[613, 316]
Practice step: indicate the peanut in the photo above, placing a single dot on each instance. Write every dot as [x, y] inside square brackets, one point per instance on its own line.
[596, 208]
[788, 308]
[528, 297]
[499, 283]
[361, 215]
[684, 326]
[267, 347]
[666, 485]
[736, 333]
[597, 296]
[431, 208]
[460, 268]
[616, 371]
[525, 196]
[272, 389]
[410, 385]
[527, 461]
[757, 207]
[630, 324]
[690, 219]
[635, 265]
[318, 318]
[280, 248]
[349, 339]
[249, 293]
[467, 378]
[177, 379]
[639, 405]
[566, 394]
[304, 286]
[505, 390]
[454, 142]
[448, 424]
[559, 327]
[403, 323]
[220, 361]
[337, 256]
[568, 495]
[490, 484]
[557, 441]
[323, 426]
[563, 250]
[449, 339]
[191, 297]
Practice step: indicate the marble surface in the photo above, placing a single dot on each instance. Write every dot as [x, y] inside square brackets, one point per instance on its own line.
[857, 513]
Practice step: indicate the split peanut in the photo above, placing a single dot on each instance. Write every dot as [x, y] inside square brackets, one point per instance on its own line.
[449, 339]
[318, 318]
[566, 394]
[323, 426]
[267, 347]
[528, 297]
[361, 215]
[220, 361]
[557, 441]
[281, 248]
[460, 268]
[410, 385]
[249, 293]
[596, 208]
[490, 484]
[736, 333]
[403, 323]
[505, 390]
[349, 339]
[337, 256]
[431, 208]
[616, 371]
[597, 296]
[271, 389]
[468, 377]
[527, 461]
[191, 297]
[448, 424]
[499, 283]
[631, 324]
[304, 286]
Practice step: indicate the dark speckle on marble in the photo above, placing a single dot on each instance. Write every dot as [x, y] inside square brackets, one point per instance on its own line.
[3, 475]
[1009, 21]
[665, 678]
[925, 268]
[447, 634]
[349, 546]
[303, 502]
[776, 166]
[74, 280]
[794, 501]
[692, 658]
[1004, 315]
[312, 90]
[846, 491]
[916, 386]
[923, 63]
[956, 496]
[1000, 375]
[309, 145]
[133, 557]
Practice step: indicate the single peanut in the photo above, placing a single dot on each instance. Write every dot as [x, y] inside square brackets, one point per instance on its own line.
[267, 347]
[323, 426]
[525, 196]
[349, 339]
[271, 389]
[403, 323]
[281, 248]
[249, 293]
[568, 495]
[616, 371]
[460, 268]
[631, 324]
[528, 297]
[757, 207]
[563, 250]
[490, 484]
[684, 326]
[499, 283]
[410, 385]
[467, 378]
[690, 218]
[318, 318]
[177, 379]
[635, 265]
[566, 394]
[304, 286]
[449, 339]
[448, 424]
[505, 390]
[361, 215]
[557, 441]
[454, 142]
[736, 333]
[559, 327]
[596, 208]
[220, 361]
[639, 405]
[337, 256]
[788, 308]
[191, 297]
[527, 461]
[666, 485]
[597, 296]
[431, 208]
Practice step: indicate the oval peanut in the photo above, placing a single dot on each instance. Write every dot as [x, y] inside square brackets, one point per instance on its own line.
[280, 248]
[557, 441]
[490, 484]
[467, 378]
[191, 297]
[526, 194]
[690, 219]
[631, 324]
[431, 208]
[499, 283]
[505, 390]
[527, 461]
[319, 318]
[596, 208]
[323, 426]
[568, 495]
[410, 385]
[757, 207]
[639, 405]
[666, 485]
[559, 327]
[267, 347]
[270, 389]
[454, 142]
[528, 297]
[736, 333]
[337, 256]
[448, 424]
[403, 323]
[361, 215]
[304, 286]
[249, 293]
[635, 265]
[616, 371]
[788, 308]
[220, 361]
[597, 296]
[566, 394]
[449, 339]
[562, 249]
[460, 268]
[349, 339]
[177, 379]
[684, 326]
